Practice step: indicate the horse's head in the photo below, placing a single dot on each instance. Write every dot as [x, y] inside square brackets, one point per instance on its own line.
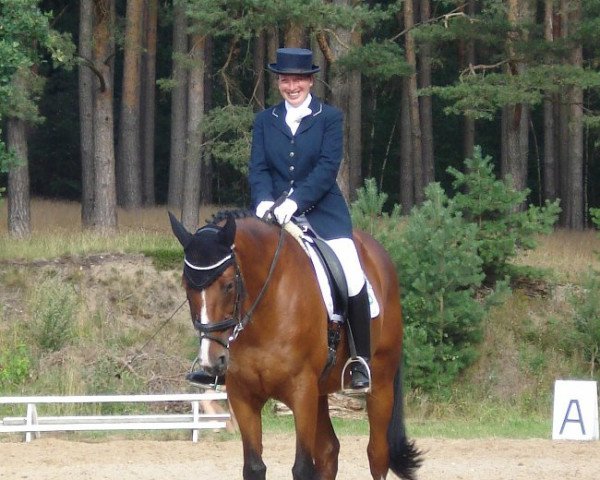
[214, 289]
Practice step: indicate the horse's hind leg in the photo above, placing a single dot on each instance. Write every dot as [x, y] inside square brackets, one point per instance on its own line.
[379, 407]
[327, 444]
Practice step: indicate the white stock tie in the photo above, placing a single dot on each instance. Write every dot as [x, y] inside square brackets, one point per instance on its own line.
[294, 116]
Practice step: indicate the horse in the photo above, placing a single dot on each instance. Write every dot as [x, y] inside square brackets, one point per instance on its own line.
[255, 301]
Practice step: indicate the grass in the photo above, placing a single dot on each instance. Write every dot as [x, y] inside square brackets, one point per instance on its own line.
[57, 231]
[119, 306]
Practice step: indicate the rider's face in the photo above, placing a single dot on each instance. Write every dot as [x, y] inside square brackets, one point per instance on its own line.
[295, 88]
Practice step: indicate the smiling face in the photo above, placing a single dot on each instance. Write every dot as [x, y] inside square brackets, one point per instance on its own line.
[295, 88]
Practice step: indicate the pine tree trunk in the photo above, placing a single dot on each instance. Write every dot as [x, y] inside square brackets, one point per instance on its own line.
[19, 211]
[576, 192]
[354, 121]
[259, 62]
[129, 161]
[319, 59]
[340, 97]
[206, 184]
[86, 125]
[295, 36]
[407, 195]
[549, 171]
[178, 109]
[105, 196]
[149, 101]
[562, 119]
[193, 158]
[426, 103]
[516, 117]
[413, 105]
[469, 59]
[272, 45]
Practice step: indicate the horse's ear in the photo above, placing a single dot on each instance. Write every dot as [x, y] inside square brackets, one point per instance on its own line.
[227, 233]
[180, 232]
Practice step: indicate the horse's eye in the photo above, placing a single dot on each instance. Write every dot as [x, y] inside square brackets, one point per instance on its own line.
[228, 287]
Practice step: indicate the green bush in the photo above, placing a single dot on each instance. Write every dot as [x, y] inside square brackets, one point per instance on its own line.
[595, 214]
[15, 364]
[495, 207]
[368, 215]
[54, 307]
[436, 258]
[440, 270]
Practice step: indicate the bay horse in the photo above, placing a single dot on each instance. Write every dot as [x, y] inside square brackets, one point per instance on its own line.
[255, 300]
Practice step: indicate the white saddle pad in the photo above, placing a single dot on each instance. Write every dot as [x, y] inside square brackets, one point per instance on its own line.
[326, 288]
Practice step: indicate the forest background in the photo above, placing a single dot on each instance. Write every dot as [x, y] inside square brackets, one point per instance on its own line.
[156, 103]
[122, 105]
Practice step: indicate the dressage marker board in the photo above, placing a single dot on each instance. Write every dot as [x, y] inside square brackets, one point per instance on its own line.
[575, 410]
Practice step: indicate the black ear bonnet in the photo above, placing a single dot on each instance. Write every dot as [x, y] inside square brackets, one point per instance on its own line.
[207, 253]
[206, 257]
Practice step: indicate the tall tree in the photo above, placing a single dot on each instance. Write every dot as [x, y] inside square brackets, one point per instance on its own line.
[549, 162]
[105, 194]
[515, 117]
[129, 162]
[574, 199]
[19, 211]
[425, 102]
[193, 157]
[178, 107]
[148, 101]
[86, 102]
[26, 40]
[413, 104]
[407, 179]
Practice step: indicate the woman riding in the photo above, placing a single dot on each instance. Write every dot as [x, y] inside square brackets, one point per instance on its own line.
[297, 149]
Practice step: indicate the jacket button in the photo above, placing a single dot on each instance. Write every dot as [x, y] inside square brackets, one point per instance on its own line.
[292, 154]
[292, 168]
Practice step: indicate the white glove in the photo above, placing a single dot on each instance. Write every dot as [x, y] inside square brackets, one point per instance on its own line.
[262, 208]
[283, 213]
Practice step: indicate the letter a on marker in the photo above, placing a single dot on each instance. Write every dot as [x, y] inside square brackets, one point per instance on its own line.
[578, 420]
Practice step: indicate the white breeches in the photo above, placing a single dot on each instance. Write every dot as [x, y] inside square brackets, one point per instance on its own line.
[345, 250]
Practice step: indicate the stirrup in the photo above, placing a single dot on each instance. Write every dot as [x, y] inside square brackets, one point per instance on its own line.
[346, 389]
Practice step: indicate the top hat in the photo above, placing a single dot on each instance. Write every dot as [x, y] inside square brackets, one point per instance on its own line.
[292, 61]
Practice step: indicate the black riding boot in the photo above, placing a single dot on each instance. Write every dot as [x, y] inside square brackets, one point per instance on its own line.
[203, 379]
[359, 318]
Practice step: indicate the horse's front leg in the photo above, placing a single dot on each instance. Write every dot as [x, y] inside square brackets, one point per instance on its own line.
[304, 405]
[327, 443]
[247, 413]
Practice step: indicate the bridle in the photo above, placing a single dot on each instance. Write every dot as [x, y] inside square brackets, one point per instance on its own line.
[237, 321]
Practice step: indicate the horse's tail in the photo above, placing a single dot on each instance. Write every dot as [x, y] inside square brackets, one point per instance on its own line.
[405, 458]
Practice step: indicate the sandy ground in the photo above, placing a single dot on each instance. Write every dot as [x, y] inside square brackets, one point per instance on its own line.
[482, 459]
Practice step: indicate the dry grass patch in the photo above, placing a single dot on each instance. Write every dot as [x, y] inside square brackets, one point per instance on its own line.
[567, 253]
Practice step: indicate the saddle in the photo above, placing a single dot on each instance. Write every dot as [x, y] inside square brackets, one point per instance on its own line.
[332, 268]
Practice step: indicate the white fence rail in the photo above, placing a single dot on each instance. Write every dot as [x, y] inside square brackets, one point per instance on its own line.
[32, 423]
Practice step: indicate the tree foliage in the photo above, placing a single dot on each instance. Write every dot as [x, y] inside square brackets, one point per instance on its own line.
[27, 40]
[493, 205]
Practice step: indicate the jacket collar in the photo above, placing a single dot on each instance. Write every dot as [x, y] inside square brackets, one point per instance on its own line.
[278, 113]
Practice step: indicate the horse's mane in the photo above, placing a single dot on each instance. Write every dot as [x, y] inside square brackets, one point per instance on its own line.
[237, 213]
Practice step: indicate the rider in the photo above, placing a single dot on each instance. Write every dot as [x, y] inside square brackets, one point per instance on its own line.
[297, 148]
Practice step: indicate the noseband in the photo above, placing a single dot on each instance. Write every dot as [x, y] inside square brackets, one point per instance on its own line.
[238, 321]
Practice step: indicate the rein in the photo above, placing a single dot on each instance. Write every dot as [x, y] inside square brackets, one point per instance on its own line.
[238, 322]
